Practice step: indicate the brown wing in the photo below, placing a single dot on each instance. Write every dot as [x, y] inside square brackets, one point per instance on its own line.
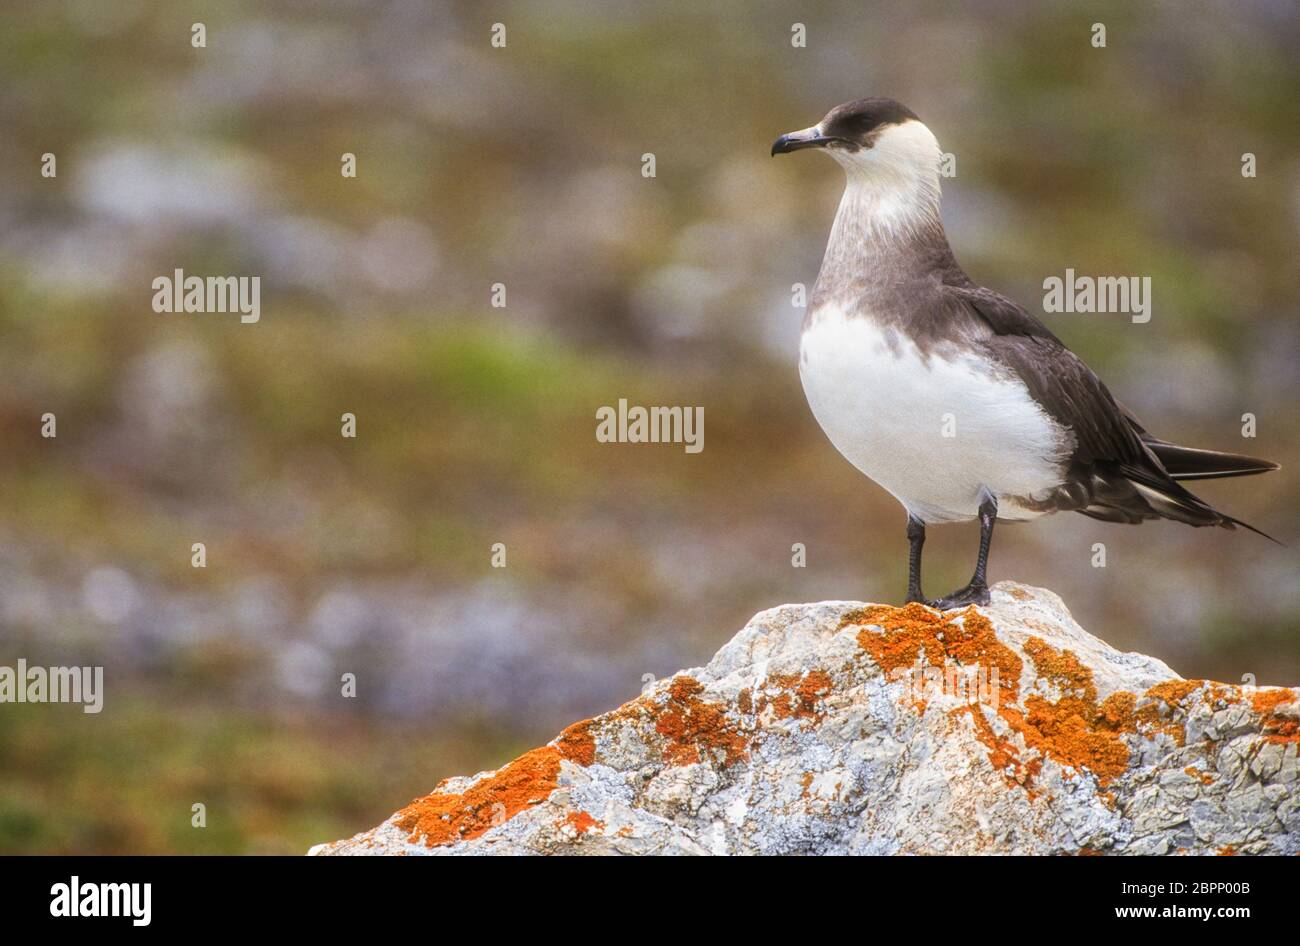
[1114, 473]
[1057, 379]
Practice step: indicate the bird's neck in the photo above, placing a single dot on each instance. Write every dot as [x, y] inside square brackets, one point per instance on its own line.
[887, 231]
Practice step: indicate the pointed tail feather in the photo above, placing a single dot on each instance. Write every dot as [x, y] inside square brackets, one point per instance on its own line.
[1229, 522]
[1190, 463]
[1170, 500]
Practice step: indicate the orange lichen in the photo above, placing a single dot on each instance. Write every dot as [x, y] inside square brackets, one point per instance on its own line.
[1276, 727]
[1117, 710]
[796, 695]
[1227, 851]
[814, 685]
[1067, 724]
[1004, 754]
[442, 818]
[1174, 692]
[581, 822]
[1062, 668]
[1073, 728]
[1069, 732]
[577, 744]
[1266, 702]
[916, 632]
[692, 726]
[446, 817]
[1171, 693]
[1281, 731]
[1205, 778]
[1224, 694]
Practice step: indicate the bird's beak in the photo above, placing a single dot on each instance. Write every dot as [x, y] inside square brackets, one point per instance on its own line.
[807, 138]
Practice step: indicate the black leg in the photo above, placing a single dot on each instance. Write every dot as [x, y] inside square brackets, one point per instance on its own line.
[915, 539]
[977, 592]
[988, 517]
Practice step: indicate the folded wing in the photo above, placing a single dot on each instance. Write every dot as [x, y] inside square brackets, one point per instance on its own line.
[1118, 472]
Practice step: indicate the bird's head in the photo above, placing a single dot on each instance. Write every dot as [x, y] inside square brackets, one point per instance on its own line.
[876, 136]
[890, 158]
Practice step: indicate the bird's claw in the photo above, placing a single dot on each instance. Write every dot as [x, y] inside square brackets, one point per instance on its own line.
[971, 594]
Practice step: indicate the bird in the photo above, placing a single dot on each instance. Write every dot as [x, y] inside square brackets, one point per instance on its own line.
[956, 400]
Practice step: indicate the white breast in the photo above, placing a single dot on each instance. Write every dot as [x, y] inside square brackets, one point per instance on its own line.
[937, 432]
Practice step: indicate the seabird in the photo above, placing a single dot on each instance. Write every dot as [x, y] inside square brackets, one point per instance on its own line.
[956, 400]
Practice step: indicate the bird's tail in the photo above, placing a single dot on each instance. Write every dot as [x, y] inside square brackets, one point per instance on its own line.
[1165, 497]
[1151, 489]
[1190, 463]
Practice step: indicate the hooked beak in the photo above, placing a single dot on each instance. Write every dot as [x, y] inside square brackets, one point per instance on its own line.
[807, 138]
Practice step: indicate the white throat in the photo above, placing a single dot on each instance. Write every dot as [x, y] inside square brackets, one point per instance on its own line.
[892, 188]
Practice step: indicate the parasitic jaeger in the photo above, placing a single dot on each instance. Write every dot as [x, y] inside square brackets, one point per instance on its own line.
[898, 342]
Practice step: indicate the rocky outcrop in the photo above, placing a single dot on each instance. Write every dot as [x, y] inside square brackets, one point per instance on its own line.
[839, 728]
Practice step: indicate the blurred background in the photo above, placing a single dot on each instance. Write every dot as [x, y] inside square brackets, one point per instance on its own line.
[522, 165]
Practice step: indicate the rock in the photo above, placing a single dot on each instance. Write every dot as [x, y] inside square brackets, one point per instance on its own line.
[842, 728]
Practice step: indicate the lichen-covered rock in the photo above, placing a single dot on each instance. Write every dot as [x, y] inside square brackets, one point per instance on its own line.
[842, 728]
